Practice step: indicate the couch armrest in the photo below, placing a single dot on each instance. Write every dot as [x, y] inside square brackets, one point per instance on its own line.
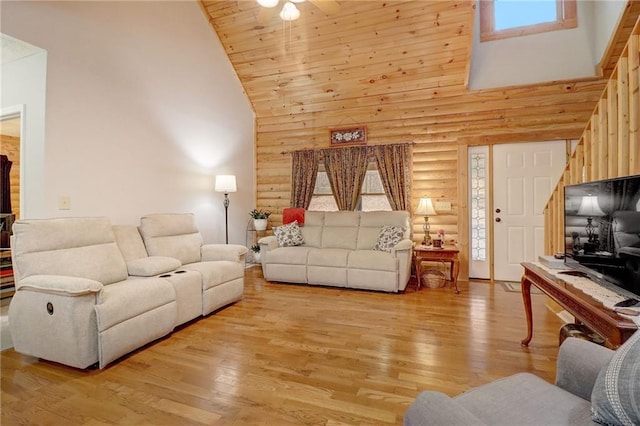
[268, 243]
[59, 284]
[436, 408]
[405, 244]
[578, 365]
[233, 252]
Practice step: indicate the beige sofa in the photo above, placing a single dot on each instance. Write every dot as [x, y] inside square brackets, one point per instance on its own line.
[338, 251]
[88, 292]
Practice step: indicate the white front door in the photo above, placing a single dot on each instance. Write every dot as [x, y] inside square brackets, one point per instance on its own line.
[524, 176]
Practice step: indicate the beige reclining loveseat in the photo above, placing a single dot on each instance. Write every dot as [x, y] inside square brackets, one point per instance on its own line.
[88, 292]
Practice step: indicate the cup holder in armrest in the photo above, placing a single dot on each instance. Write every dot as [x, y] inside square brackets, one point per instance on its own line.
[165, 275]
[180, 272]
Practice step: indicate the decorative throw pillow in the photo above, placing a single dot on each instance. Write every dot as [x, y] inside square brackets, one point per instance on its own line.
[293, 214]
[615, 399]
[388, 237]
[289, 235]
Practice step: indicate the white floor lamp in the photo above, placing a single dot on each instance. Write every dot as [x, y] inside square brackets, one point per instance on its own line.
[226, 184]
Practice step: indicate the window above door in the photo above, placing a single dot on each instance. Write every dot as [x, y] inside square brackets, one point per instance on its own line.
[500, 19]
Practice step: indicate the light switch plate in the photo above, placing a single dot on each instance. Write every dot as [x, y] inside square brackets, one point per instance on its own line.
[443, 206]
[64, 202]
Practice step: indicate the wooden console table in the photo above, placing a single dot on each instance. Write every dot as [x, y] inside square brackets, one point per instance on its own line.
[429, 254]
[613, 327]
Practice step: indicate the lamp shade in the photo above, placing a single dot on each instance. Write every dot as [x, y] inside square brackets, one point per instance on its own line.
[425, 207]
[289, 12]
[589, 206]
[268, 3]
[225, 183]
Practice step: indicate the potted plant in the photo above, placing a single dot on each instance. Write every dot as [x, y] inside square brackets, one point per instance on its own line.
[260, 218]
[256, 252]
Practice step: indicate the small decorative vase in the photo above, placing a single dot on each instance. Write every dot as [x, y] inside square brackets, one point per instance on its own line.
[260, 224]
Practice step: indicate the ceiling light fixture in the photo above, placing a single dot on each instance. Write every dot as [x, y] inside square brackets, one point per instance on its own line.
[268, 3]
[289, 12]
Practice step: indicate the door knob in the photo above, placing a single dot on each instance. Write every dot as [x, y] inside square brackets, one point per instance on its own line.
[497, 210]
[498, 219]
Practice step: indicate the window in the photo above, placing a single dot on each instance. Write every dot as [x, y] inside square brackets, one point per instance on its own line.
[372, 196]
[478, 212]
[501, 19]
[478, 190]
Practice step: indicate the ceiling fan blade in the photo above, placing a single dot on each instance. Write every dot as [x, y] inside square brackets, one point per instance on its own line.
[265, 15]
[330, 7]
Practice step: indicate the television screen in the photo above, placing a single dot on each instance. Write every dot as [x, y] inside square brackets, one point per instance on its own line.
[602, 231]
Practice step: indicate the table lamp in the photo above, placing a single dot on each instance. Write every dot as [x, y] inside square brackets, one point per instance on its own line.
[589, 207]
[425, 208]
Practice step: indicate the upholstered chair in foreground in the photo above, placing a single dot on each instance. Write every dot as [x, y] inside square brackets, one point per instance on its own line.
[592, 384]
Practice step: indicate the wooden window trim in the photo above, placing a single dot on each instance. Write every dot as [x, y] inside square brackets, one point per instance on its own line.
[566, 11]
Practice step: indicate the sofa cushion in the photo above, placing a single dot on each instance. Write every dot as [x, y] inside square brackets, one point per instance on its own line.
[525, 399]
[312, 235]
[152, 265]
[388, 237]
[288, 235]
[172, 235]
[372, 222]
[340, 230]
[615, 399]
[374, 260]
[129, 242]
[287, 255]
[328, 257]
[367, 238]
[378, 219]
[127, 299]
[75, 247]
[339, 237]
[216, 272]
[312, 229]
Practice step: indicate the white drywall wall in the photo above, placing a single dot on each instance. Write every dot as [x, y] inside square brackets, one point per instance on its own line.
[550, 56]
[22, 85]
[606, 15]
[143, 109]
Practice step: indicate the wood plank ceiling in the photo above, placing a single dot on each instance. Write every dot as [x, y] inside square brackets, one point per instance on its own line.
[369, 49]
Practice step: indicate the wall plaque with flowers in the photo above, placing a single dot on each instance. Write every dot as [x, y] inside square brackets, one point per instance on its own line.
[348, 136]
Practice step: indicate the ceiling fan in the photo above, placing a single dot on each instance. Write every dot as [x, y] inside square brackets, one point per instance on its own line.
[290, 12]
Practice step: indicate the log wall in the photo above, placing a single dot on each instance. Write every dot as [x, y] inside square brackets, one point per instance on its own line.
[440, 128]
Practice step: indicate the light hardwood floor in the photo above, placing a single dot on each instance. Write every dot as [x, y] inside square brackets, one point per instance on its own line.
[296, 355]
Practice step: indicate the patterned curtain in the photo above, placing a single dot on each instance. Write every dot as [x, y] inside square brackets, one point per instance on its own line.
[304, 170]
[394, 166]
[346, 169]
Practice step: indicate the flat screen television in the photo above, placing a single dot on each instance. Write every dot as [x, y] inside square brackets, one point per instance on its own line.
[602, 233]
